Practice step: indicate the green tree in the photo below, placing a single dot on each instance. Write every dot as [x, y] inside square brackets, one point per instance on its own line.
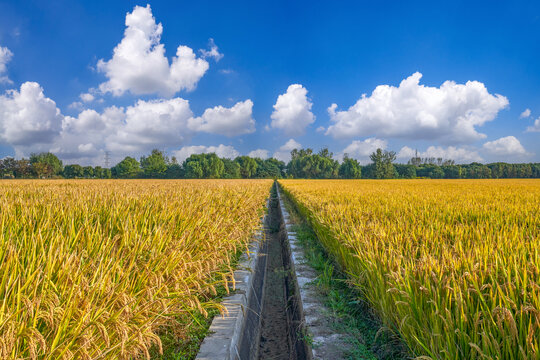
[88, 172]
[73, 171]
[41, 170]
[350, 168]
[231, 169]
[127, 168]
[269, 168]
[99, 172]
[215, 167]
[405, 171]
[23, 169]
[477, 170]
[451, 171]
[248, 166]
[307, 165]
[383, 164]
[155, 165]
[174, 171]
[107, 173]
[207, 166]
[193, 169]
[54, 165]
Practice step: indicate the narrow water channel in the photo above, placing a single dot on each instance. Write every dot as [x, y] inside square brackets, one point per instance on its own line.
[274, 342]
[280, 337]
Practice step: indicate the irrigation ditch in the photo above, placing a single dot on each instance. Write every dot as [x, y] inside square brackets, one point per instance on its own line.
[289, 304]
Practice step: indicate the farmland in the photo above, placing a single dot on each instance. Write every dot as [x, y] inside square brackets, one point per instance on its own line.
[93, 269]
[452, 267]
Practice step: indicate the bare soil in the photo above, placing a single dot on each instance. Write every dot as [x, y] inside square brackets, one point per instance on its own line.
[274, 342]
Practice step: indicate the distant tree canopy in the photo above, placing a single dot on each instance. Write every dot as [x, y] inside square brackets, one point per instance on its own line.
[383, 167]
[154, 165]
[248, 166]
[304, 164]
[350, 168]
[204, 166]
[73, 171]
[127, 168]
[45, 164]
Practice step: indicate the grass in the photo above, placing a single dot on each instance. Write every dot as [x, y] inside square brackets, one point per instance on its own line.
[450, 265]
[112, 269]
[352, 315]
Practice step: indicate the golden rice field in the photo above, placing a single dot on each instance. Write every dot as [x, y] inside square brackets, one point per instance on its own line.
[453, 266]
[93, 269]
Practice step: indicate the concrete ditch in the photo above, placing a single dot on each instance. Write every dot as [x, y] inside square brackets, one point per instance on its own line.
[319, 323]
[264, 315]
[278, 311]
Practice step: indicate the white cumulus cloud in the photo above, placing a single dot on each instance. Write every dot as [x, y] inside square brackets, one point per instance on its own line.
[87, 97]
[458, 154]
[161, 123]
[259, 153]
[450, 113]
[505, 147]
[525, 114]
[31, 122]
[284, 152]
[85, 138]
[5, 57]
[139, 64]
[535, 127]
[233, 121]
[292, 111]
[28, 118]
[223, 151]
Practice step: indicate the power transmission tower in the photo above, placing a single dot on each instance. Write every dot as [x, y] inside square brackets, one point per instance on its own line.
[107, 159]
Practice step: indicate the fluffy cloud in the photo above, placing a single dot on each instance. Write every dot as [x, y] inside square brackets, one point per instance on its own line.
[28, 118]
[284, 152]
[85, 138]
[5, 57]
[259, 153]
[292, 111]
[31, 122]
[361, 150]
[535, 127]
[459, 155]
[449, 113]
[87, 97]
[507, 146]
[148, 124]
[525, 114]
[139, 64]
[133, 130]
[212, 53]
[223, 151]
[226, 121]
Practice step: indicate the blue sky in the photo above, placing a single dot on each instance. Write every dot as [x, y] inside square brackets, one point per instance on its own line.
[450, 79]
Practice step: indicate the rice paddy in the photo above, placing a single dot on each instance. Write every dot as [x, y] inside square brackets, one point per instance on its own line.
[452, 267]
[97, 268]
[93, 269]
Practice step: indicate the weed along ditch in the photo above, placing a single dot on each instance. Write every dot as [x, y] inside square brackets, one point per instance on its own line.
[278, 310]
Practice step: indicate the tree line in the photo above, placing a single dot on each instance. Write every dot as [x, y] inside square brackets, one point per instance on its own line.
[304, 164]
